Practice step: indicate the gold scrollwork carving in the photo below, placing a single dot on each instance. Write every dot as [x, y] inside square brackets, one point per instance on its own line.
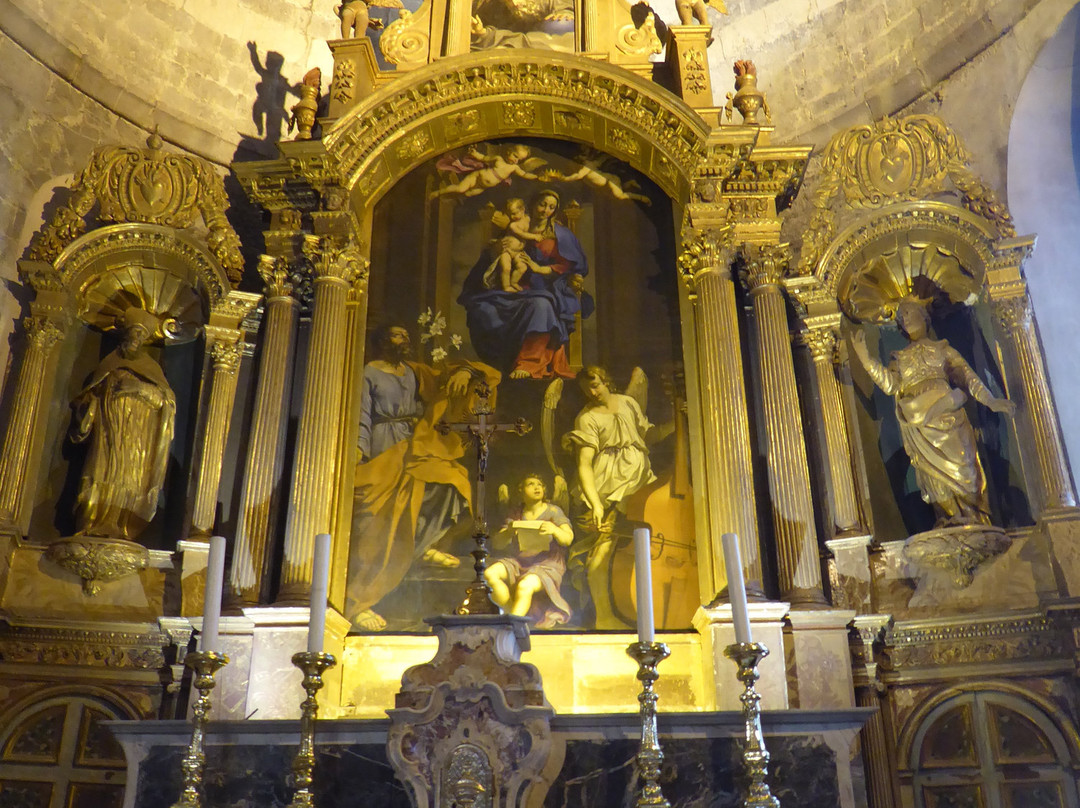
[149, 186]
[640, 40]
[462, 123]
[895, 160]
[413, 146]
[623, 140]
[561, 81]
[405, 41]
[98, 561]
[66, 646]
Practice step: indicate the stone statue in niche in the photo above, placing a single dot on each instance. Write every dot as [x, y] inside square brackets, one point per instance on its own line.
[928, 379]
[126, 411]
[930, 382]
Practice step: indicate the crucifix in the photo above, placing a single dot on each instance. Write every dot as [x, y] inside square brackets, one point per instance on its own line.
[480, 433]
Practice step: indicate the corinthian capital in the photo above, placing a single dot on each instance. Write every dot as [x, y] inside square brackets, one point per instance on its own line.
[44, 332]
[705, 251]
[227, 356]
[1013, 313]
[764, 264]
[821, 342]
[274, 272]
[335, 258]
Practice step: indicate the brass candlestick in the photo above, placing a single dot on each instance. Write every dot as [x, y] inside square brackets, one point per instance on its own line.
[313, 666]
[747, 655]
[648, 655]
[204, 664]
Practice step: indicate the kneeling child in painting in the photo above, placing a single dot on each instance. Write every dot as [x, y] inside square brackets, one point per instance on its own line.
[542, 534]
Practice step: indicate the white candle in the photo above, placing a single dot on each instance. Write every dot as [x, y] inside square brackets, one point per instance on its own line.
[320, 581]
[736, 587]
[215, 577]
[643, 568]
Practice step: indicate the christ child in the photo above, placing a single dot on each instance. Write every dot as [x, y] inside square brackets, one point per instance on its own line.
[513, 262]
[529, 584]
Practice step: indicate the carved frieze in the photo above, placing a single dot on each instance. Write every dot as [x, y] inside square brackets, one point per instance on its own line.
[82, 647]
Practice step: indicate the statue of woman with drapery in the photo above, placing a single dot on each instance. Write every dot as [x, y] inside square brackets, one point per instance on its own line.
[928, 379]
[126, 411]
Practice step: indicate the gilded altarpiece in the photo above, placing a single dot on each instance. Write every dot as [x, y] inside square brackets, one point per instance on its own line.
[541, 273]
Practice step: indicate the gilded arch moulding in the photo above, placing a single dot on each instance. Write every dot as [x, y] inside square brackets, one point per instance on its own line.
[877, 260]
[161, 270]
[466, 99]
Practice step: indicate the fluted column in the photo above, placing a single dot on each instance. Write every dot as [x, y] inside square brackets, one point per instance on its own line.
[1044, 451]
[705, 265]
[874, 736]
[347, 449]
[336, 265]
[44, 337]
[226, 354]
[789, 476]
[844, 503]
[266, 457]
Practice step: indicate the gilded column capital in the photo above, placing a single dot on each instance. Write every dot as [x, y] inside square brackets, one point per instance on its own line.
[277, 280]
[1013, 312]
[821, 342]
[334, 258]
[44, 332]
[705, 251]
[227, 356]
[764, 264]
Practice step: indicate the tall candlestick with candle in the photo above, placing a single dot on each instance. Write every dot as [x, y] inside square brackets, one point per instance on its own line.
[313, 663]
[204, 663]
[747, 654]
[643, 573]
[736, 587]
[320, 587]
[215, 577]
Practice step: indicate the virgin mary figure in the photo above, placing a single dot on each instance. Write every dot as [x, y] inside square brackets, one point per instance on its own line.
[525, 333]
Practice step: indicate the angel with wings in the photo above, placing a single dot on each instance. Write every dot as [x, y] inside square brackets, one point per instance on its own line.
[485, 171]
[609, 444]
[589, 169]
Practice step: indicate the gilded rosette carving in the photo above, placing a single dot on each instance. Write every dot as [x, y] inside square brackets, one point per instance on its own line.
[890, 161]
[149, 186]
[98, 561]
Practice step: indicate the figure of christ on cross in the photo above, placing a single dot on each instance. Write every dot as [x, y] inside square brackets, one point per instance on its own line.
[480, 433]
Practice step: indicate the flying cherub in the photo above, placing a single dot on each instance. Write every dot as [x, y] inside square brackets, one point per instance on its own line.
[485, 171]
[589, 163]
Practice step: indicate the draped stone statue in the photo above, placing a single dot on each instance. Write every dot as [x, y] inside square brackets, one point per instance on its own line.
[126, 411]
[928, 379]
